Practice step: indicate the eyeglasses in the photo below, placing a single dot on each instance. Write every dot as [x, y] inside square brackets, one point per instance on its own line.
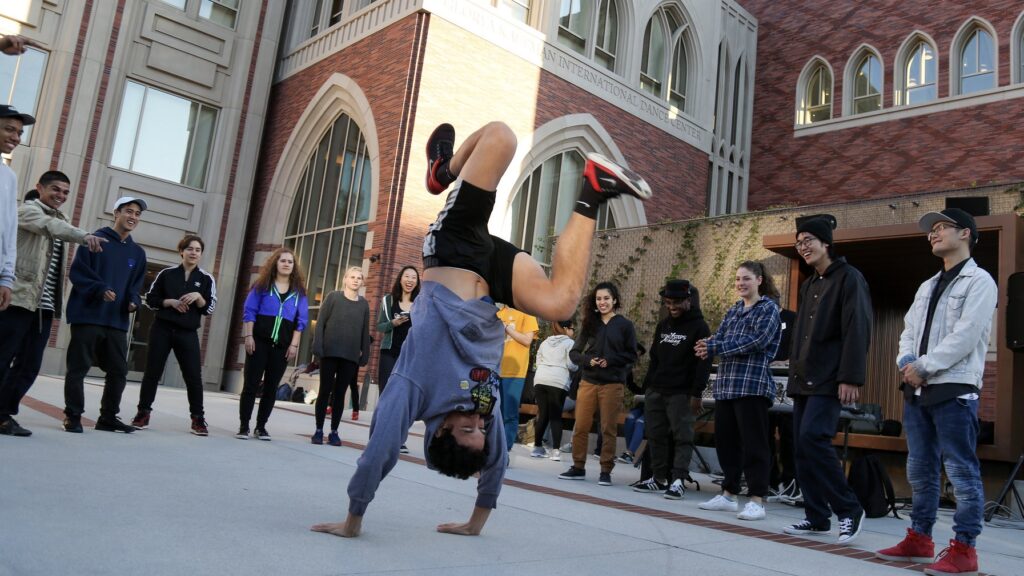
[942, 226]
[805, 242]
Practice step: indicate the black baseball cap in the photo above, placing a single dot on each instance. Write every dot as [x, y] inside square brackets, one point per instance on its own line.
[8, 111]
[955, 216]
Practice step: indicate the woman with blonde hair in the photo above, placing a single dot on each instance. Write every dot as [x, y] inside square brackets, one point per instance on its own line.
[275, 314]
[342, 343]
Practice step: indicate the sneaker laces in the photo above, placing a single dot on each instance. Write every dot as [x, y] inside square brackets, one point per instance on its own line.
[805, 525]
[845, 524]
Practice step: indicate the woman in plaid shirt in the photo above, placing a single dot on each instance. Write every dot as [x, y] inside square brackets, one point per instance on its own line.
[743, 389]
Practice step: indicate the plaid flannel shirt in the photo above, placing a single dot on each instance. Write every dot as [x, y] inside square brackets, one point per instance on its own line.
[745, 343]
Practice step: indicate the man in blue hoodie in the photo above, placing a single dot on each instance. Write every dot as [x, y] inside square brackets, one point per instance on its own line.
[105, 289]
[446, 374]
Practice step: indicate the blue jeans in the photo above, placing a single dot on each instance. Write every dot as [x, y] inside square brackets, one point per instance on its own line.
[633, 429]
[511, 395]
[945, 434]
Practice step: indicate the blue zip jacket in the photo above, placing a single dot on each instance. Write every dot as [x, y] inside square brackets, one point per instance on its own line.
[274, 315]
[120, 268]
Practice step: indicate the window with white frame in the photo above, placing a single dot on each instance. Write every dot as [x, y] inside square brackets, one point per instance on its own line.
[329, 218]
[314, 23]
[545, 201]
[179, 4]
[977, 68]
[163, 135]
[867, 84]
[517, 9]
[337, 12]
[919, 74]
[21, 79]
[666, 62]
[816, 103]
[223, 12]
[592, 33]
[1020, 52]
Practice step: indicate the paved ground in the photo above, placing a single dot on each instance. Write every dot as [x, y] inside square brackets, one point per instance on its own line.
[162, 501]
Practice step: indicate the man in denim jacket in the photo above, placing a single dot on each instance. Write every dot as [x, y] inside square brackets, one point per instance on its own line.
[942, 359]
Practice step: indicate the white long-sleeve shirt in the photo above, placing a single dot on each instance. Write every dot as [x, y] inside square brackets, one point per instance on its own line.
[8, 224]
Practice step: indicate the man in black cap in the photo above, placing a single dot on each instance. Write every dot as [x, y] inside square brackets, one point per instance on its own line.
[12, 126]
[827, 367]
[942, 360]
[675, 380]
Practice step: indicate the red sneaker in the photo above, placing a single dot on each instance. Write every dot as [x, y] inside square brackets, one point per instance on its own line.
[958, 558]
[355, 415]
[916, 547]
[141, 420]
[199, 426]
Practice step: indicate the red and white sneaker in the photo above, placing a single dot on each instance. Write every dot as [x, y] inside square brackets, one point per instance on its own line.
[141, 420]
[199, 426]
[440, 149]
[611, 179]
[958, 558]
[916, 547]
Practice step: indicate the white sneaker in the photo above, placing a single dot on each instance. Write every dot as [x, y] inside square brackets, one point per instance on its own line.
[752, 511]
[719, 503]
[538, 452]
[556, 455]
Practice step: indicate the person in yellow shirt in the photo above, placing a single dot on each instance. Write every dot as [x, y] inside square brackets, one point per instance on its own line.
[520, 330]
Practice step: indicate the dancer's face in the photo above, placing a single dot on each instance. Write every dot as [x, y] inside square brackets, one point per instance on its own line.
[467, 429]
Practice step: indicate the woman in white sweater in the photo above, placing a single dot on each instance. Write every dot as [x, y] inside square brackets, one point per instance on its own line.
[551, 385]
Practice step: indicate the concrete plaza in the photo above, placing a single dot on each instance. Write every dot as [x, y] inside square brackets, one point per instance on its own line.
[163, 502]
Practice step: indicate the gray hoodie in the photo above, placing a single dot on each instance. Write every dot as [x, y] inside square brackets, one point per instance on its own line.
[449, 337]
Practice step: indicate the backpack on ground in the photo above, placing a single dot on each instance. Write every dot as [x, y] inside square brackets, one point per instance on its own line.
[284, 392]
[870, 482]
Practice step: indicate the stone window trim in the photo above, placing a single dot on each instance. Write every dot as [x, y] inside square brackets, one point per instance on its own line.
[853, 65]
[679, 33]
[1017, 51]
[802, 109]
[956, 53]
[903, 56]
[589, 45]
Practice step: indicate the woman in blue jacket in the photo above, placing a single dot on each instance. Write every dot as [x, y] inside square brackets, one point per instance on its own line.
[275, 314]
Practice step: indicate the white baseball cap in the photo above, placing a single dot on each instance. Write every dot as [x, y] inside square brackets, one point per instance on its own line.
[128, 200]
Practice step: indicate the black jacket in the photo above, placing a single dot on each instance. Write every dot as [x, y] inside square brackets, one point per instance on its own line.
[171, 283]
[615, 342]
[832, 332]
[674, 368]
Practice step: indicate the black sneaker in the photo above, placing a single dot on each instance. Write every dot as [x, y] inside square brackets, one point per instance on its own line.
[611, 179]
[243, 432]
[113, 425]
[650, 486]
[10, 427]
[676, 491]
[605, 479]
[403, 449]
[573, 473]
[261, 433]
[805, 527]
[73, 424]
[624, 458]
[440, 149]
[849, 528]
[199, 427]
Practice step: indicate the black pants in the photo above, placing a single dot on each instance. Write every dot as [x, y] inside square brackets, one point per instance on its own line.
[23, 338]
[741, 441]
[266, 363]
[783, 470]
[385, 364]
[550, 401]
[91, 344]
[818, 470]
[335, 375]
[163, 338]
[669, 427]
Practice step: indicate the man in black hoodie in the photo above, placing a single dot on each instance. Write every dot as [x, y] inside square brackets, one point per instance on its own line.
[675, 380]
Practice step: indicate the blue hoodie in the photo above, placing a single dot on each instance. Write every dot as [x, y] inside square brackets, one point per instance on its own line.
[120, 268]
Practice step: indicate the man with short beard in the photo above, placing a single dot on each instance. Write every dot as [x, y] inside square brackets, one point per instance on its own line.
[36, 297]
[105, 289]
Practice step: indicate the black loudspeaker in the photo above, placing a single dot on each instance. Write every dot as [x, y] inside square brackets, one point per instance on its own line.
[973, 205]
[1015, 311]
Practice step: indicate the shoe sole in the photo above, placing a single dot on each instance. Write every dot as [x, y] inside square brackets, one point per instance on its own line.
[636, 185]
[538, 455]
[600, 483]
[430, 163]
[672, 496]
[109, 429]
[194, 433]
[751, 518]
[560, 477]
[909, 559]
[242, 436]
[793, 532]
[647, 491]
[931, 572]
[553, 459]
[265, 439]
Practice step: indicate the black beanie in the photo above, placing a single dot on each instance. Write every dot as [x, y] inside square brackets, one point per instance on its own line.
[820, 228]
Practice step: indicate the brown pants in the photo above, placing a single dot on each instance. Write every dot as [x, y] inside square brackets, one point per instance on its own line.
[608, 399]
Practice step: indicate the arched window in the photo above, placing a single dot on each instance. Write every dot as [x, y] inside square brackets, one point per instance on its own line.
[588, 32]
[545, 201]
[667, 57]
[816, 100]
[867, 85]
[919, 74]
[1020, 49]
[977, 68]
[327, 226]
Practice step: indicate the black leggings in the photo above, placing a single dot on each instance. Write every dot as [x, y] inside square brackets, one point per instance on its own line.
[266, 363]
[335, 375]
[550, 401]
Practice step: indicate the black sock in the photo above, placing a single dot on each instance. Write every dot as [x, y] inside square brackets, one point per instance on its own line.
[589, 200]
[443, 174]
